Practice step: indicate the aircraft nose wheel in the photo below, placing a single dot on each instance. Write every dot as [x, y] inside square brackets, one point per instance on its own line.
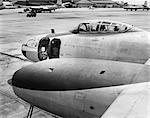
[29, 115]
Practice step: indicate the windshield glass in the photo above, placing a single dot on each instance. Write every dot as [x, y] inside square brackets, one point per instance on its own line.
[107, 27]
[84, 27]
[102, 27]
[95, 27]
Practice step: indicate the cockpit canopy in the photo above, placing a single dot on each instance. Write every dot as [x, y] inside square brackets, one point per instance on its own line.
[101, 27]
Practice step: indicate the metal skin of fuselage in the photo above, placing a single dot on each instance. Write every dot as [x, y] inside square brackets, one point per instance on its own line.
[76, 88]
[127, 47]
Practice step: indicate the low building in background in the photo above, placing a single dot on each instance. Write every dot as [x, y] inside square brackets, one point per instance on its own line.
[105, 3]
[84, 3]
[98, 3]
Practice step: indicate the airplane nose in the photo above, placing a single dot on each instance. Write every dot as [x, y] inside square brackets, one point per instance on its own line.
[44, 76]
[55, 75]
[65, 74]
[58, 75]
[31, 77]
[30, 52]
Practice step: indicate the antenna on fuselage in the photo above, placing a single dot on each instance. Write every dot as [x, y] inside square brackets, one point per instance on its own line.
[59, 2]
[52, 31]
[145, 4]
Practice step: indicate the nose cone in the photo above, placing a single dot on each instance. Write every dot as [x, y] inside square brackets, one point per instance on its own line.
[61, 75]
[49, 75]
[33, 77]
[30, 52]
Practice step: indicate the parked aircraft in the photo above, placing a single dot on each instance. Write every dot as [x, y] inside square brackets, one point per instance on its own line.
[136, 7]
[35, 2]
[6, 5]
[88, 74]
[40, 9]
[98, 39]
[40, 6]
[69, 5]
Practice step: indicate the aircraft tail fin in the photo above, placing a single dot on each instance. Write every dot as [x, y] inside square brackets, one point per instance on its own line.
[1, 2]
[1, 5]
[145, 4]
[59, 2]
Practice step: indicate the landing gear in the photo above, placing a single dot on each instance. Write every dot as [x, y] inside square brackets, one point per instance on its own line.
[31, 14]
[30, 111]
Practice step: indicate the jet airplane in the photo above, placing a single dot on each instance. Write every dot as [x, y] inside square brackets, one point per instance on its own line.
[83, 83]
[94, 39]
[40, 9]
[136, 7]
[39, 6]
[69, 5]
[6, 5]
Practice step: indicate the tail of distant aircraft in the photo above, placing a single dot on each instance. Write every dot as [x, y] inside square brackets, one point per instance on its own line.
[1, 4]
[145, 4]
[59, 2]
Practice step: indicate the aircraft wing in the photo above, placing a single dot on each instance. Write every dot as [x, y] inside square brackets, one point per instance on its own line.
[133, 102]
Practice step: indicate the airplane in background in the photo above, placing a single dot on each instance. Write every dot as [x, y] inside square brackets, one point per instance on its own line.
[40, 9]
[69, 5]
[136, 7]
[7, 5]
[33, 2]
[40, 6]
[83, 83]
[95, 39]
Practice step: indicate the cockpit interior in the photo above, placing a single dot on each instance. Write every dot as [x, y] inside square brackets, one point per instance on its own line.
[102, 27]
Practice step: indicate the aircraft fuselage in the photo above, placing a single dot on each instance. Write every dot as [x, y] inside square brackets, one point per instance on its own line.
[84, 71]
[126, 47]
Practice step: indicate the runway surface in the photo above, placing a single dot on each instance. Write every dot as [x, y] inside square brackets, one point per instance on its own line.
[16, 28]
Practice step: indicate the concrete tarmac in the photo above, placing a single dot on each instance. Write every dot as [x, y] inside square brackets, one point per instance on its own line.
[16, 28]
